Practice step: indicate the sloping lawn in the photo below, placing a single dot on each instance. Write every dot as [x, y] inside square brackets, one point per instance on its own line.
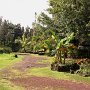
[8, 59]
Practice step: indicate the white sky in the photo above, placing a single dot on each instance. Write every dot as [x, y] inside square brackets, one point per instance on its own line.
[22, 11]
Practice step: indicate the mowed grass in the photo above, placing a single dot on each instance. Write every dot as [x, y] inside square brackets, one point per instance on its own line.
[7, 85]
[8, 59]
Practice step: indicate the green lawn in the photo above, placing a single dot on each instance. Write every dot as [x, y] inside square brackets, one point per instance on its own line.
[5, 61]
[7, 85]
[8, 59]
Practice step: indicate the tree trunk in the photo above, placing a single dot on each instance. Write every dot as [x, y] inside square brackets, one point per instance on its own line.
[64, 59]
[60, 58]
[24, 50]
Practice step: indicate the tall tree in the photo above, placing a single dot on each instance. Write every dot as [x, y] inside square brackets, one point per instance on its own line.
[4, 31]
[71, 15]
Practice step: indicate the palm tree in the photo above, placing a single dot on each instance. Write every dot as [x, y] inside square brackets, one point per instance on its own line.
[61, 46]
[24, 42]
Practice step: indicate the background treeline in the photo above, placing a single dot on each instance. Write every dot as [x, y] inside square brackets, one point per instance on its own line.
[66, 17]
[10, 36]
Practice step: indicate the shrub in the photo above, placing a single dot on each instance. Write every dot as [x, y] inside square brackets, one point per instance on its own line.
[65, 67]
[54, 66]
[16, 56]
[7, 50]
[16, 47]
[84, 69]
[1, 50]
[26, 50]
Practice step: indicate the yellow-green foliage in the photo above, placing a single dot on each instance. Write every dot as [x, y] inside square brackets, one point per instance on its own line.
[48, 60]
[8, 59]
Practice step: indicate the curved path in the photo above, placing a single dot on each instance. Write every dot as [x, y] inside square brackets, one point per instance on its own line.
[40, 83]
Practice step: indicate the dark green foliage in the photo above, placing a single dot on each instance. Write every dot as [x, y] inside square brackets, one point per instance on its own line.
[65, 67]
[17, 32]
[84, 69]
[74, 67]
[1, 50]
[7, 50]
[83, 51]
[9, 32]
[16, 47]
[16, 56]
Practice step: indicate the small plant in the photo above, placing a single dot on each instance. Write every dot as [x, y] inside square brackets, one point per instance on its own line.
[84, 69]
[1, 50]
[7, 50]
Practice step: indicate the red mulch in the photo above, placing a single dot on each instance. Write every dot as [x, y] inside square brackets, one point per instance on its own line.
[42, 82]
[28, 62]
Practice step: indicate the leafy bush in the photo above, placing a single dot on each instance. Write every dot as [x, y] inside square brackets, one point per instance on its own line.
[65, 67]
[84, 69]
[16, 47]
[1, 50]
[83, 51]
[21, 51]
[27, 50]
[5, 50]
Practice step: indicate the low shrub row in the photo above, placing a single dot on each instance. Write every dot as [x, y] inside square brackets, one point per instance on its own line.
[65, 67]
[81, 67]
[5, 50]
[84, 69]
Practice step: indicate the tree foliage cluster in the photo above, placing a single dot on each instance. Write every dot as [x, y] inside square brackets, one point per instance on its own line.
[66, 17]
[11, 34]
[64, 31]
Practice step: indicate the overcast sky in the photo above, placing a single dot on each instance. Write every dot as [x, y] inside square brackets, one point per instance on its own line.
[21, 11]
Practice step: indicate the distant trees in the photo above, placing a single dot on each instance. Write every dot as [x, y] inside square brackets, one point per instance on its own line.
[10, 32]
